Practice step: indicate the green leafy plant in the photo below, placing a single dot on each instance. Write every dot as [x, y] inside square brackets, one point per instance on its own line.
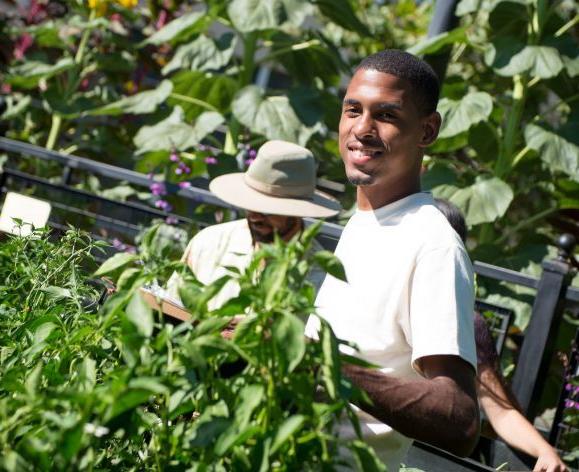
[125, 388]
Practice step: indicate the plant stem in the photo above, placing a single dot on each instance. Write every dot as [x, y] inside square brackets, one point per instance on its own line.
[567, 26]
[293, 47]
[54, 131]
[193, 101]
[248, 66]
[523, 224]
[522, 153]
[504, 162]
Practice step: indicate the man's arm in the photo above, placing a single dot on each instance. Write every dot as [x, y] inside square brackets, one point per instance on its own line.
[440, 409]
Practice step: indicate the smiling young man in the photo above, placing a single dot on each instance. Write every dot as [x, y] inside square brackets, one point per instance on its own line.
[408, 302]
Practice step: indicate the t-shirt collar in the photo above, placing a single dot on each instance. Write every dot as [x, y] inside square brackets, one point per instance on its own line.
[386, 212]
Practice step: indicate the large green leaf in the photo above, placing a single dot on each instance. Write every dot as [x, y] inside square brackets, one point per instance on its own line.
[28, 74]
[286, 430]
[114, 263]
[258, 15]
[436, 43]
[272, 117]
[509, 18]
[510, 57]
[483, 202]
[459, 116]
[203, 54]
[173, 132]
[140, 314]
[215, 91]
[559, 153]
[366, 458]
[329, 262]
[342, 13]
[176, 30]
[140, 103]
[288, 334]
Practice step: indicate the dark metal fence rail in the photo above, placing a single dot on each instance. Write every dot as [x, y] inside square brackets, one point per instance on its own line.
[554, 294]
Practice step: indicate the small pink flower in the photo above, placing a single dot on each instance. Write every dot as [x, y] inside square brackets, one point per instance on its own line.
[178, 171]
[5, 88]
[158, 189]
[211, 160]
[171, 220]
[184, 184]
[174, 157]
[251, 153]
[248, 162]
[162, 20]
[163, 205]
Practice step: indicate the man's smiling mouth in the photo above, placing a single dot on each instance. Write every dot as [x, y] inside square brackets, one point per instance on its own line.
[361, 155]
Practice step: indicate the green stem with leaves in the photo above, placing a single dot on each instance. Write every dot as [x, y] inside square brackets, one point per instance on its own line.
[506, 155]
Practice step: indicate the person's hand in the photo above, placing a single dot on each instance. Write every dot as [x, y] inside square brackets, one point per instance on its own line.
[549, 461]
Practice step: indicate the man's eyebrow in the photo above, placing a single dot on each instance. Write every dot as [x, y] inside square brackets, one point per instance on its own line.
[389, 106]
[350, 101]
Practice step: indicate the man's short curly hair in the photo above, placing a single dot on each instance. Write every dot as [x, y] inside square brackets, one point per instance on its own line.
[415, 71]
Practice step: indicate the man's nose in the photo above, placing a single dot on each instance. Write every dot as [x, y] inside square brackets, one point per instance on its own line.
[365, 127]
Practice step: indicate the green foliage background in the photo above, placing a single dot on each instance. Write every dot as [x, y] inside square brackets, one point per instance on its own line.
[130, 85]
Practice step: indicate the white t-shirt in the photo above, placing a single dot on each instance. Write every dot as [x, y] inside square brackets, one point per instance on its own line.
[216, 247]
[409, 294]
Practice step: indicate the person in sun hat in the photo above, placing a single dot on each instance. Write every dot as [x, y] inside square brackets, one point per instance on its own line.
[277, 191]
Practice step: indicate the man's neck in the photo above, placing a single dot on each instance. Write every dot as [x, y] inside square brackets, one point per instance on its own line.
[372, 197]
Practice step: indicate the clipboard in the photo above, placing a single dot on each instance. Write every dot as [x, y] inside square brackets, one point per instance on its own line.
[169, 305]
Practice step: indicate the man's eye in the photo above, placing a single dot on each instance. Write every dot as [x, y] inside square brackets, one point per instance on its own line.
[351, 111]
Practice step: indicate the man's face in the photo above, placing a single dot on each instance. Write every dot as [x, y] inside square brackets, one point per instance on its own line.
[263, 227]
[382, 133]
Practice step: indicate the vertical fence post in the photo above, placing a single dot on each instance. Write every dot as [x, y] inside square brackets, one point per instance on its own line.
[443, 20]
[538, 344]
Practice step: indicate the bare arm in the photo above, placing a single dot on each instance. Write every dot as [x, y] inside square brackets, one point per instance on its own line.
[511, 425]
[440, 409]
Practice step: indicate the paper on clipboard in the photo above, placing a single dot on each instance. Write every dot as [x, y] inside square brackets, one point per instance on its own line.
[169, 305]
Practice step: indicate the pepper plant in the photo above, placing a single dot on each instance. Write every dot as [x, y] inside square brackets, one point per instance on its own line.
[125, 388]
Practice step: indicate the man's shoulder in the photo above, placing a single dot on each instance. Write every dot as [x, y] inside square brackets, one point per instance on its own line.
[222, 229]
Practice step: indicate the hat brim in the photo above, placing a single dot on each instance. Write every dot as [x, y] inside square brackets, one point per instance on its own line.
[232, 189]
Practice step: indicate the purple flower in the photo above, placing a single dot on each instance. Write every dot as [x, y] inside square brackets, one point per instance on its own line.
[251, 153]
[184, 184]
[174, 157]
[178, 171]
[118, 244]
[202, 147]
[211, 160]
[248, 162]
[158, 189]
[163, 205]
[171, 220]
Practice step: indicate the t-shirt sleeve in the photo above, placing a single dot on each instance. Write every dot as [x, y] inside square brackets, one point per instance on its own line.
[441, 306]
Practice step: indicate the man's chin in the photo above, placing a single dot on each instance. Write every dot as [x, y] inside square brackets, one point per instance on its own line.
[361, 180]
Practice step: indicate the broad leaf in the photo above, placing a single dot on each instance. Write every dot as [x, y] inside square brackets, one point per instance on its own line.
[288, 334]
[286, 430]
[173, 132]
[483, 202]
[119, 260]
[329, 262]
[342, 13]
[140, 103]
[258, 15]
[559, 153]
[459, 116]
[436, 43]
[177, 30]
[215, 91]
[509, 18]
[509, 57]
[203, 54]
[28, 74]
[272, 117]
[140, 314]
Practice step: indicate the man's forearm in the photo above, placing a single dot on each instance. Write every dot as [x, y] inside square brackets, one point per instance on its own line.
[437, 410]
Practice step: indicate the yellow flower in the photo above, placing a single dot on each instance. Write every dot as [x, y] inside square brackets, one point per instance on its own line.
[100, 6]
[128, 3]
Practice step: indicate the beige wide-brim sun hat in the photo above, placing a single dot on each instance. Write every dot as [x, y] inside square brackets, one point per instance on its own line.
[280, 181]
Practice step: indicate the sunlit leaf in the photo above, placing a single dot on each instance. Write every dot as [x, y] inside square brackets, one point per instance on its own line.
[138, 104]
[485, 201]
[342, 13]
[173, 132]
[177, 30]
[509, 57]
[258, 15]
[28, 74]
[436, 43]
[114, 263]
[286, 430]
[203, 54]
[329, 262]
[559, 153]
[140, 314]
[288, 334]
[272, 117]
[459, 116]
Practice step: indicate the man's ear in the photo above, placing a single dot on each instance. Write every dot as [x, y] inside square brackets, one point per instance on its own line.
[430, 129]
